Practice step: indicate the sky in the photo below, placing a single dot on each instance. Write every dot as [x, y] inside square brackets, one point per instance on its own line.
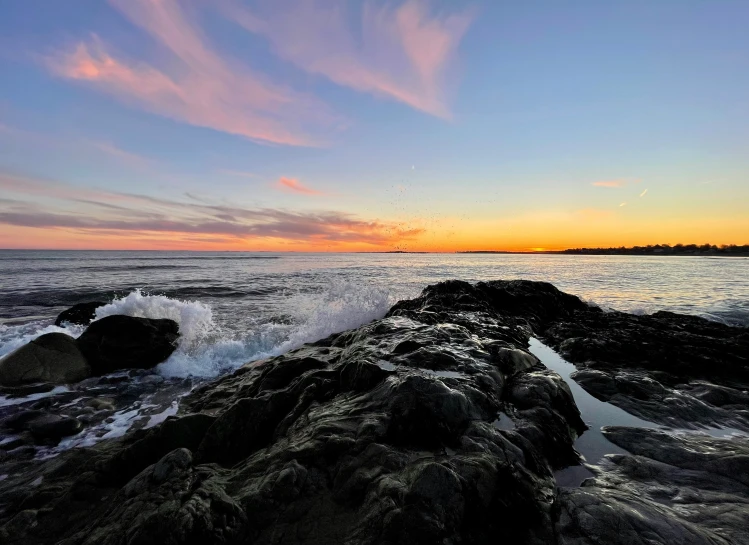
[373, 125]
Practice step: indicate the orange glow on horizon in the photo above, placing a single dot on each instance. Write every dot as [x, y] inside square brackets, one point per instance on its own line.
[473, 238]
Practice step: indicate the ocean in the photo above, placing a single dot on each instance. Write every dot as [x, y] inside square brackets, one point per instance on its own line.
[234, 308]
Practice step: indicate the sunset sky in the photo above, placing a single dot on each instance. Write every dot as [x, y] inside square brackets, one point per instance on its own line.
[333, 125]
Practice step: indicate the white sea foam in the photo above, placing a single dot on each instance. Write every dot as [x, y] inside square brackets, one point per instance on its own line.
[341, 306]
[6, 401]
[344, 305]
[15, 336]
[207, 350]
[195, 319]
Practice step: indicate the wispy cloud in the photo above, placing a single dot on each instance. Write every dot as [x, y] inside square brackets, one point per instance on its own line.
[125, 156]
[643, 193]
[623, 204]
[107, 213]
[293, 185]
[202, 88]
[405, 53]
[73, 143]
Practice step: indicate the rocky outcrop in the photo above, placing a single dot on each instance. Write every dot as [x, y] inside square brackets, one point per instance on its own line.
[687, 489]
[393, 433]
[80, 314]
[125, 342]
[677, 370]
[53, 358]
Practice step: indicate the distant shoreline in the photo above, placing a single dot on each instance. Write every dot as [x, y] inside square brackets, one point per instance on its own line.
[658, 250]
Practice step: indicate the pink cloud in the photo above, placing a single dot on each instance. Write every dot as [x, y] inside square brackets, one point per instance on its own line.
[142, 215]
[404, 53]
[201, 88]
[295, 186]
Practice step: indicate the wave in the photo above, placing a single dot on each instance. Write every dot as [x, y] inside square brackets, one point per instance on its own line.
[311, 317]
[195, 319]
[207, 349]
[15, 336]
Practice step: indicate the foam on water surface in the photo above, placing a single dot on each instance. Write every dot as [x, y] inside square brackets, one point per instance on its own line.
[195, 319]
[7, 401]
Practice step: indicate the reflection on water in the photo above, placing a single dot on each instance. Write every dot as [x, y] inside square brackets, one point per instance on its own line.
[595, 413]
[504, 422]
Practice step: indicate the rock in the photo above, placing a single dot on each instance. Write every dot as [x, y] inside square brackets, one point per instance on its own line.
[53, 427]
[101, 404]
[26, 389]
[671, 489]
[21, 419]
[9, 443]
[80, 314]
[53, 358]
[672, 369]
[122, 342]
[42, 425]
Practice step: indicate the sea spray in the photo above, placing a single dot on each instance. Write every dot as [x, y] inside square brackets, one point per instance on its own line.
[342, 306]
[311, 316]
[15, 336]
[195, 319]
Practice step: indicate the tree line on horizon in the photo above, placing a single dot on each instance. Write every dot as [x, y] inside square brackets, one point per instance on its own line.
[666, 249]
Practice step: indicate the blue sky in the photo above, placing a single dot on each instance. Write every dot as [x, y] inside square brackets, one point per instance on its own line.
[375, 125]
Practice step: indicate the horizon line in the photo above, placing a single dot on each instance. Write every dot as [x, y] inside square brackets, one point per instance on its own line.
[540, 250]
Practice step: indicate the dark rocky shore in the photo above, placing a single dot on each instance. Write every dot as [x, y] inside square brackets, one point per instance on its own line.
[433, 425]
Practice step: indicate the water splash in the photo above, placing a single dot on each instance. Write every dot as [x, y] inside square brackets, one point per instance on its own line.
[195, 319]
[340, 306]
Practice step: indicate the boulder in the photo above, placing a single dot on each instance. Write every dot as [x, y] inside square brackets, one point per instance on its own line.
[123, 342]
[54, 357]
[54, 427]
[80, 314]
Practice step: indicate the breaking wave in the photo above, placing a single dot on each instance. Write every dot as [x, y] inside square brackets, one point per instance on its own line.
[309, 317]
[207, 348]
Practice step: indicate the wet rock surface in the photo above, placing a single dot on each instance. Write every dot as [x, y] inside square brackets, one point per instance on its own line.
[677, 370]
[52, 358]
[80, 314]
[124, 342]
[687, 489]
[83, 413]
[387, 434]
